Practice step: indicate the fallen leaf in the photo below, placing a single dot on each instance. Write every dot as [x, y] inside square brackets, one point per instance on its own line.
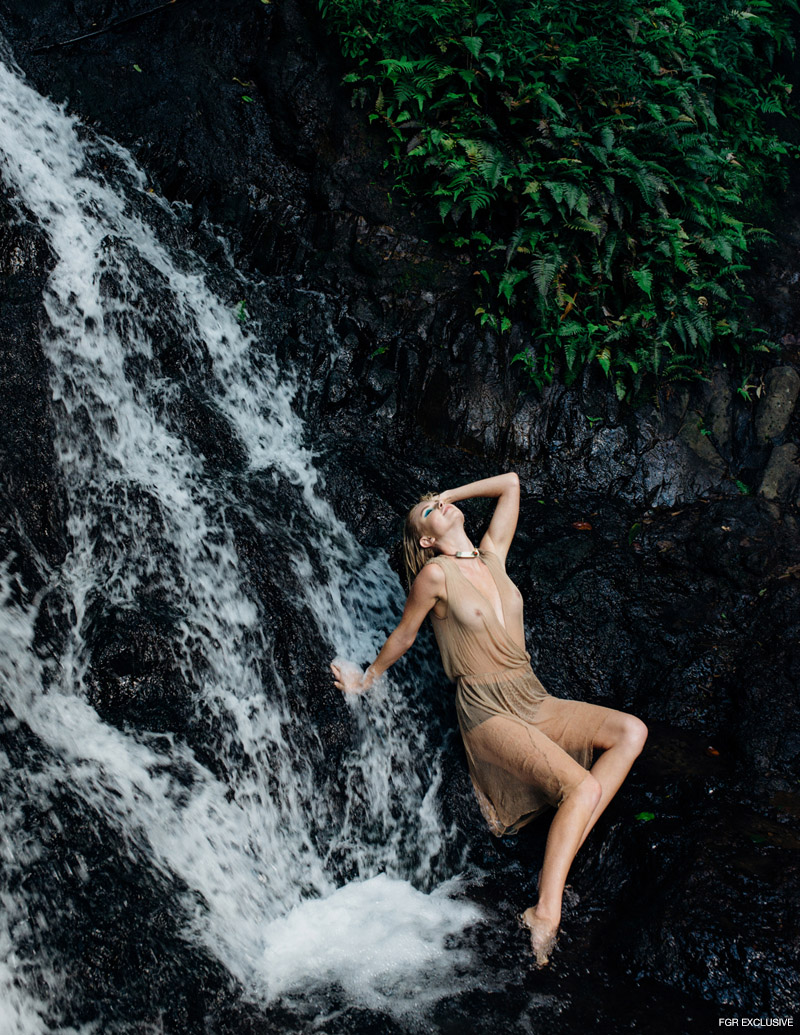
[645, 817]
[582, 526]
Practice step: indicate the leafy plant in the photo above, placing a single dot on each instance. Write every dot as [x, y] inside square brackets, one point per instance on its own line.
[598, 166]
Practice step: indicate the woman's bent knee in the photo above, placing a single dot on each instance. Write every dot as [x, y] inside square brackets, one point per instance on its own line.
[626, 732]
[635, 733]
[588, 791]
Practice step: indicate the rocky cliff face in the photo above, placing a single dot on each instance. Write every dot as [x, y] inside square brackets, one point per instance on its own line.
[676, 595]
[295, 180]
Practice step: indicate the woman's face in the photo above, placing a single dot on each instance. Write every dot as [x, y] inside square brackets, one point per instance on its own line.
[434, 519]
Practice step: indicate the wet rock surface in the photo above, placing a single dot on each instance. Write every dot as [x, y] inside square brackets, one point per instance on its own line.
[678, 603]
[775, 409]
[32, 504]
[782, 474]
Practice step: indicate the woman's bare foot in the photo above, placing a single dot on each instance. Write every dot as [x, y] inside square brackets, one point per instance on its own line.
[543, 935]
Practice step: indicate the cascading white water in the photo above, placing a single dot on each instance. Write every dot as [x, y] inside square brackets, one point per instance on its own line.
[148, 519]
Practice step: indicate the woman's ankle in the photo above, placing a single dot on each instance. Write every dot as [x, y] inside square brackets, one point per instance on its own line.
[545, 913]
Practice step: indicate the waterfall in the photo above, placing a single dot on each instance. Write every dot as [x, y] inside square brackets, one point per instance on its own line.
[286, 873]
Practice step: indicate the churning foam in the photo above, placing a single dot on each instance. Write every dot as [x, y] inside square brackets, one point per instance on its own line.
[370, 937]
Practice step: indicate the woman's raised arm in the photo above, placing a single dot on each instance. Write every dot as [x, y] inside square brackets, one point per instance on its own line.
[427, 588]
[503, 525]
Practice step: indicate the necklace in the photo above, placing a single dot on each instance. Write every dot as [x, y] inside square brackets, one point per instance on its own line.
[466, 553]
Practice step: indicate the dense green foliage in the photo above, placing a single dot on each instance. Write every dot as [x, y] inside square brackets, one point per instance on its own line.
[599, 164]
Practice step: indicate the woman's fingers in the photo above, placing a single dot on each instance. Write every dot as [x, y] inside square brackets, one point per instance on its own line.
[338, 678]
[347, 677]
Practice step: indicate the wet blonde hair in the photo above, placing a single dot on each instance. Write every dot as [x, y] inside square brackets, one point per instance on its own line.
[414, 556]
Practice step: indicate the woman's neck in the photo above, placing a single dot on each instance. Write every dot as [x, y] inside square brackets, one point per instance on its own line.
[456, 544]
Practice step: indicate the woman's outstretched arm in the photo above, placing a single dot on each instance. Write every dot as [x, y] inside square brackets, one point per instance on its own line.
[428, 587]
[503, 525]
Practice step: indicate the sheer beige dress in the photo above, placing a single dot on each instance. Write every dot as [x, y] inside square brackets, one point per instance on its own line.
[525, 749]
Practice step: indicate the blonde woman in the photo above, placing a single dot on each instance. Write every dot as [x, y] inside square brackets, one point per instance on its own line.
[526, 750]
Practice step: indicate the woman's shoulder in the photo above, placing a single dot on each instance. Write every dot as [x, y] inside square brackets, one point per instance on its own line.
[433, 569]
[432, 576]
[430, 579]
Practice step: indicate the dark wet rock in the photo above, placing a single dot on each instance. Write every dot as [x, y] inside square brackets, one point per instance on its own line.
[696, 438]
[209, 432]
[720, 409]
[775, 408]
[782, 473]
[714, 907]
[135, 678]
[33, 495]
[765, 719]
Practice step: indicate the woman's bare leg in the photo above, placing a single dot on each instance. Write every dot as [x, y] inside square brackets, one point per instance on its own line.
[622, 738]
[534, 758]
[563, 841]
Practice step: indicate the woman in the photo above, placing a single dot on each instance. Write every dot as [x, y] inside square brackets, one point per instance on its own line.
[526, 750]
